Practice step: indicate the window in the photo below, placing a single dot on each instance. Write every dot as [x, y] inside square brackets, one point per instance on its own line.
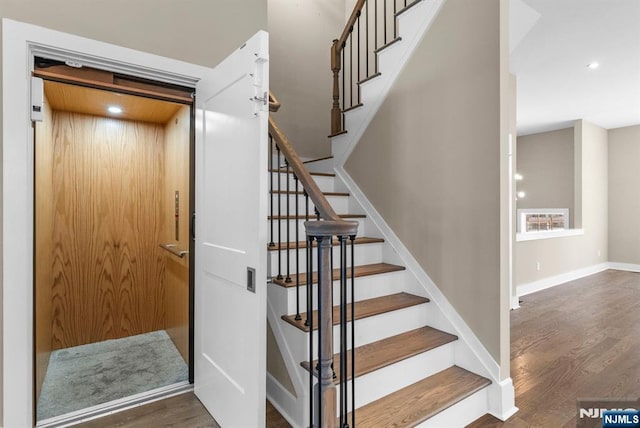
[541, 220]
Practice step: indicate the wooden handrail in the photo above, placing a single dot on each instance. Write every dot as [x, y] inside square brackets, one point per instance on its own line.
[348, 28]
[308, 183]
[274, 104]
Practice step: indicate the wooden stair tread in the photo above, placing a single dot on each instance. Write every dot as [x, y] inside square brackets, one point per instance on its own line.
[388, 44]
[320, 174]
[418, 402]
[362, 270]
[353, 107]
[337, 134]
[366, 79]
[363, 309]
[303, 244]
[293, 192]
[385, 352]
[311, 217]
[318, 159]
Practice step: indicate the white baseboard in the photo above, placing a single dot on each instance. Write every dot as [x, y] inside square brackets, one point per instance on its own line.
[552, 281]
[278, 394]
[464, 332]
[624, 266]
[515, 302]
[502, 399]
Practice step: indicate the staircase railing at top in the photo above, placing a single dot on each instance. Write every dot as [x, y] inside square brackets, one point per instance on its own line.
[371, 27]
[320, 233]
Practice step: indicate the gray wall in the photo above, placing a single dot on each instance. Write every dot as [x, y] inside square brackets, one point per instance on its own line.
[546, 163]
[197, 31]
[430, 161]
[624, 195]
[566, 254]
[301, 32]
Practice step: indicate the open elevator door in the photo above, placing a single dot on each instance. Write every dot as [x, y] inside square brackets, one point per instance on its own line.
[231, 235]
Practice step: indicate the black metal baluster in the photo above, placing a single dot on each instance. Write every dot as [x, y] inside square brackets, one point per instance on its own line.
[366, 37]
[351, 68]
[353, 334]
[271, 243]
[288, 278]
[395, 25]
[309, 252]
[309, 322]
[319, 274]
[343, 334]
[298, 317]
[279, 214]
[358, 77]
[375, 27]
[344, 94]
[384, 15]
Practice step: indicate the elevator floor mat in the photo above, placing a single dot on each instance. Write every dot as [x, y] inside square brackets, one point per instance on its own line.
[88, 375]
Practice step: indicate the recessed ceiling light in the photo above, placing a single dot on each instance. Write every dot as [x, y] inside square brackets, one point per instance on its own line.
[518, 176]
[114, 109]
[521, 194]
[593, 65]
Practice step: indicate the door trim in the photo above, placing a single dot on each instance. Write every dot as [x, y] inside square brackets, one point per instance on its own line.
[20, 43]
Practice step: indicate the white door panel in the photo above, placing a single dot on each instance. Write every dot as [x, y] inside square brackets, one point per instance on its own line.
[231, 232]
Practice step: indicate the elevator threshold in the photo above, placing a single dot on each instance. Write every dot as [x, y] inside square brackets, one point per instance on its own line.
[115, 406]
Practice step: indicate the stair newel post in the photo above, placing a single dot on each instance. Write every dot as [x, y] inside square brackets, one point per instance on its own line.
[327, 412]
[323, 232]
[336, 113]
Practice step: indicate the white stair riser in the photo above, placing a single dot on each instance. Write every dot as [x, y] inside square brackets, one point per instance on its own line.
[325, 183]
[368, 330]
[460, 414]
[340, 204]
[364, 254]
[301, 229]
[367, 287]
[389, 379]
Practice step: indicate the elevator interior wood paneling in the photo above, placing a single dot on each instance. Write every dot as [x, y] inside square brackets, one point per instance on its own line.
[105, 190]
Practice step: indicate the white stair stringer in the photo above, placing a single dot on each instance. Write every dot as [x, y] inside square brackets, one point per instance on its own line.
[412, 26]
[466, 352]
[498, 398]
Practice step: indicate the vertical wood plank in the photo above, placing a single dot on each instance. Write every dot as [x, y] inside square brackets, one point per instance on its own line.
[176, 279]
[107, 198]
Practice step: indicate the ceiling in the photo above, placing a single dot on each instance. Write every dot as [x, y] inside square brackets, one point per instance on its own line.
[553, 41]
[78, 99]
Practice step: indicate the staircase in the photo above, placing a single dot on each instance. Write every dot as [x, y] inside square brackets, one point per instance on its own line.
[405, 369]
[405, 357]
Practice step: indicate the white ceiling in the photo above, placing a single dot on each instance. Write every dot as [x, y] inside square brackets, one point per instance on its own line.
[552, 41]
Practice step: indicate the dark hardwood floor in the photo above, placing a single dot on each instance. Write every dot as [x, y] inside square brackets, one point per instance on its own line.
[577, 340]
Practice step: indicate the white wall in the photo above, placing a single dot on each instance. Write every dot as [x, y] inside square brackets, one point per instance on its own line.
[430, 162]
[301, 33]
[624, 195]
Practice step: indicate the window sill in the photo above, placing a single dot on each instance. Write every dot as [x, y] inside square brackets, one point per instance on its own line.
[533, 236]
